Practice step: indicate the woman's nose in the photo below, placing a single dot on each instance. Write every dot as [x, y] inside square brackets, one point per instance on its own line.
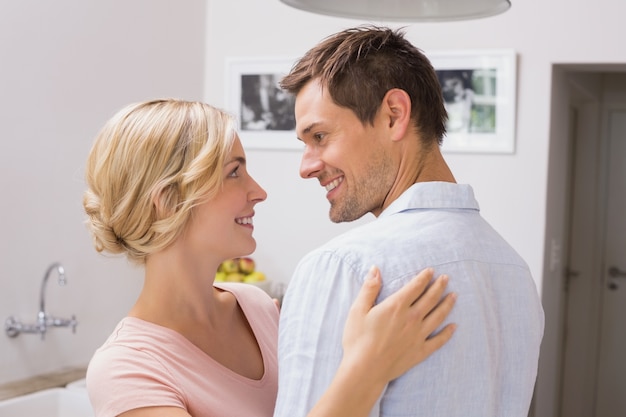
[258, 194]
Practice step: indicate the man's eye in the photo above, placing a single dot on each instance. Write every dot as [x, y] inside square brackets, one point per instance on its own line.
[318, 137]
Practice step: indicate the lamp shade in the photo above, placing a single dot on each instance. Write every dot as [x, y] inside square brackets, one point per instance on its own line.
[404, 10]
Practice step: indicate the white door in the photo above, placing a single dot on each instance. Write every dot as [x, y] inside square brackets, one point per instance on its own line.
[611, 383]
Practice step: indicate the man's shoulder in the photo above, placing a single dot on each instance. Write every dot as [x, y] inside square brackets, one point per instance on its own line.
[361, 239]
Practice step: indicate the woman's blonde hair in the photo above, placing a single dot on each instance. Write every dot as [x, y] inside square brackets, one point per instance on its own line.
[149, 166]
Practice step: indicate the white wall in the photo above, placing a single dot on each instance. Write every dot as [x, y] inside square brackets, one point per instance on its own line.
[65, 66]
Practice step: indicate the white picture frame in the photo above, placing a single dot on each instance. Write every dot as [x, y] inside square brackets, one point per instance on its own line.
[265, 114]
[484, 123]
[482, 119]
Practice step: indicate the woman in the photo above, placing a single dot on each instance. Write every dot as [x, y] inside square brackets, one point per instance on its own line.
[168, 187]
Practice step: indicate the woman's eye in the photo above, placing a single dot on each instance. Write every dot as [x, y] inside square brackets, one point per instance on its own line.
[318, 137]
[234, 173]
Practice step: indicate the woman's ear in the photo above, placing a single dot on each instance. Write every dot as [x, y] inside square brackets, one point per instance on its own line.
[165, 198]
[398, 105]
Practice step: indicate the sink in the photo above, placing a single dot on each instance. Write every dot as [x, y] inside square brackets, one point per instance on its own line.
[52, 402]
[78, 384]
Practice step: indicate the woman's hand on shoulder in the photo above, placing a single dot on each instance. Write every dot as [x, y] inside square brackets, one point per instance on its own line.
[397, 334]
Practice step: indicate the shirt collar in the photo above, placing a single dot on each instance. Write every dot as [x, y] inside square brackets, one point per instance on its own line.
[433, 195]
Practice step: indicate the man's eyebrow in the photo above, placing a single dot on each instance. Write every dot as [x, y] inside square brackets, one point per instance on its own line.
[310, 127]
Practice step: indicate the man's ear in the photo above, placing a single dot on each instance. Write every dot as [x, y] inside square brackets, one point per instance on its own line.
[398, 105]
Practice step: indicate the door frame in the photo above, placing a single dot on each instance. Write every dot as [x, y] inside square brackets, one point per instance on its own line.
[584, 274]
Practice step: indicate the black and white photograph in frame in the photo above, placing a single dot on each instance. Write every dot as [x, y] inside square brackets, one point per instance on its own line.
[478, 88]
[265, 113]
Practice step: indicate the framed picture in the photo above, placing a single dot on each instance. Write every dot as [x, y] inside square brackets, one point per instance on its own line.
[265, 113]
[479, 94]
[478, 87]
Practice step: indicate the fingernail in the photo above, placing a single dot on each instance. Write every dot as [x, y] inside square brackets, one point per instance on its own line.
[371, 274]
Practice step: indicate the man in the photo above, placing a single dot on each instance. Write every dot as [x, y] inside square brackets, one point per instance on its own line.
[370, 113]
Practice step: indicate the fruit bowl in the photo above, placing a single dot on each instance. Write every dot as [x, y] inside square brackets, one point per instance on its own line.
[241, 270]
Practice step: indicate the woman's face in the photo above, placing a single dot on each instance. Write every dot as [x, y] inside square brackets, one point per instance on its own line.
[222, 226]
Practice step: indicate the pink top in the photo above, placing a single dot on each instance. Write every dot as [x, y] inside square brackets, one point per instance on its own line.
[143, 364]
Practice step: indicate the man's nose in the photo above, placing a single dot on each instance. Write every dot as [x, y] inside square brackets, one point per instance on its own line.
[310, 165]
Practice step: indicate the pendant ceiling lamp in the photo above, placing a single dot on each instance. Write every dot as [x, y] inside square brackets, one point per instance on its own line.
[404, 10]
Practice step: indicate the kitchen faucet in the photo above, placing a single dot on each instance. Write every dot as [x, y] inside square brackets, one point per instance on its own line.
[14, 326]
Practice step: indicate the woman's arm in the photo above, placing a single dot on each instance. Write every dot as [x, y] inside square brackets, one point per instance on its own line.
[382, 342]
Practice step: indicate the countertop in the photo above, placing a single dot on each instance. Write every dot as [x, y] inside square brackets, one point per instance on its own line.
[59, 378]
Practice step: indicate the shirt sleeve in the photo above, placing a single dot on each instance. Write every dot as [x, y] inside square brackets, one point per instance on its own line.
[135, 378]
[312, 320]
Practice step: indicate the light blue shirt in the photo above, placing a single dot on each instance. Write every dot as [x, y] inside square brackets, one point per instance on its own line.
[489, 367]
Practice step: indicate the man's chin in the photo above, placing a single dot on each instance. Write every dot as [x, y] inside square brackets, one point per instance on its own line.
[339, 217]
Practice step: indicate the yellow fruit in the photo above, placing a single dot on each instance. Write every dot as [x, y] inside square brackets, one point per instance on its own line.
[235, 277]
[220, 276]
[256, 276]
[229, 266]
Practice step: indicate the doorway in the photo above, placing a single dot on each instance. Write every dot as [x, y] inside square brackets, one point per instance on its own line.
[593, 374]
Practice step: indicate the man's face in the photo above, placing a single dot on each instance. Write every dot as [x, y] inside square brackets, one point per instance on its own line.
[350, 160]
